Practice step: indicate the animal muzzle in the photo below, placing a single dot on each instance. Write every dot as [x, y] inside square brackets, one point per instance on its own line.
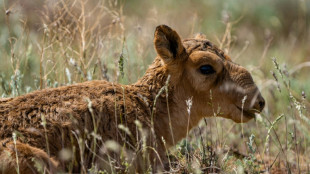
[243, 79]
[258, 102]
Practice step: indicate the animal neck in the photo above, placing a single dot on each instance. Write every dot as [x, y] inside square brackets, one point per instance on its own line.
[154, 78]
[184, 114]
[175, 124]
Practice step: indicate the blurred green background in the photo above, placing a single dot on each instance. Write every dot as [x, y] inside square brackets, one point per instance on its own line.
[280, 25]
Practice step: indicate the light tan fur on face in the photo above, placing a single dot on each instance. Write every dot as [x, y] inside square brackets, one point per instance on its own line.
[69, 111]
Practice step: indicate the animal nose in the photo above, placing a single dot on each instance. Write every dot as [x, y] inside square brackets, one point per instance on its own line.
[260, 103]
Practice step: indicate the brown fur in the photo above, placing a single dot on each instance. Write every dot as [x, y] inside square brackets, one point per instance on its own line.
[72, 112]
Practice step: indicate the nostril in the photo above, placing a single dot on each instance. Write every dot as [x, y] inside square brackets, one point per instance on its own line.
[261, 104]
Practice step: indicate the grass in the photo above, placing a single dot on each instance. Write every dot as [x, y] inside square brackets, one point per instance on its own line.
[50, 44]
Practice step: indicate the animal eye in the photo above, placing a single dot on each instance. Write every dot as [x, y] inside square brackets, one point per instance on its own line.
[206, 69]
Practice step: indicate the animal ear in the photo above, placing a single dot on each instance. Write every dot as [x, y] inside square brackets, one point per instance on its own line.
[168, 44]
[200, 36]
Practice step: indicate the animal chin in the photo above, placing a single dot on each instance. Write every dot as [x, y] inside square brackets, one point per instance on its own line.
[248, 114]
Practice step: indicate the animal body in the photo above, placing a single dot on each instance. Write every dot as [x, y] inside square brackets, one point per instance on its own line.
[37, 128]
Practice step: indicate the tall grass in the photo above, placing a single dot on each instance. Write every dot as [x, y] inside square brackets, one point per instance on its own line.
[55, 43]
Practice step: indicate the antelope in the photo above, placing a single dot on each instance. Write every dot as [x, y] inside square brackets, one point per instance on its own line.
[36, 128]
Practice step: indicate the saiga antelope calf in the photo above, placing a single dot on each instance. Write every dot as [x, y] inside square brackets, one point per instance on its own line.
[81, 118]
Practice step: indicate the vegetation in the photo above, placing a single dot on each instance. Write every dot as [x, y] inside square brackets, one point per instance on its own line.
[46, 44]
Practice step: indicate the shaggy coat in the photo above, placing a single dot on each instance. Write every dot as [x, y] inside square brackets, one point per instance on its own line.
[81, 120]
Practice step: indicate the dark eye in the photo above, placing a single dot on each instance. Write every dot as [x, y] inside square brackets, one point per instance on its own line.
[206, 69]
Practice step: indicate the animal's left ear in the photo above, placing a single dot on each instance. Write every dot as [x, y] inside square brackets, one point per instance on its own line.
[168, 44]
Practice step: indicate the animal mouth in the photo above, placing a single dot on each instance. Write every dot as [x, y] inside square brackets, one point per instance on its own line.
[248, 113]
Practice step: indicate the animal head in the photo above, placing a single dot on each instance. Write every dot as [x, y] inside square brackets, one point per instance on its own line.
[200, 70]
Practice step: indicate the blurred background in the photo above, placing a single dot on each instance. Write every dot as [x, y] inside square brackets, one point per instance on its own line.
[58, 42]
[251, 32]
